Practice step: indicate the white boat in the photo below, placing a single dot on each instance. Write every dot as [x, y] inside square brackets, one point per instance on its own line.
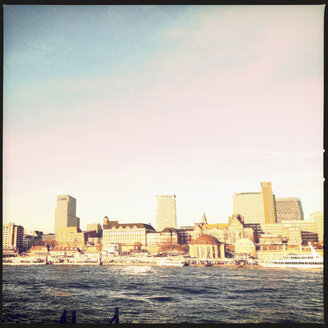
[171, 261]
[313, 260]
[83, 259]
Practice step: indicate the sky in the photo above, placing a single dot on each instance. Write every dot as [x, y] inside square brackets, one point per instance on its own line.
[116, 104]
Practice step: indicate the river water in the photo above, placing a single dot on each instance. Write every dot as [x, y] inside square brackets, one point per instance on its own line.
[151, 294]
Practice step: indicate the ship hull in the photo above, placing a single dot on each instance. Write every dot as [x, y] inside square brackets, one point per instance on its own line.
[281, 265]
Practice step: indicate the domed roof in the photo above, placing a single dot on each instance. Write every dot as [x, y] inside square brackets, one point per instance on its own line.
[206, 240]
[171, 248]
[244, 241]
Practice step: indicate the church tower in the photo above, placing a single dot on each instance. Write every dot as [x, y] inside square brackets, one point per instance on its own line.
[204, 220]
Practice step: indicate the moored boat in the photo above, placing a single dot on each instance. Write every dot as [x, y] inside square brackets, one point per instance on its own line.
[172, 261]
[312, 261]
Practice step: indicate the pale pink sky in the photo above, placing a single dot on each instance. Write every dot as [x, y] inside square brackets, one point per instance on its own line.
[206, 104]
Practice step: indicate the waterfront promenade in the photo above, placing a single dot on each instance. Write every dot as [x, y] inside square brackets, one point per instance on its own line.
[127, 261]
[130, 260]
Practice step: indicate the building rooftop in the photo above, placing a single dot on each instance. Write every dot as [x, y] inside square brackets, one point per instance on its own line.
[206, 240]
[169, 230]
[62, 248]
[247, 193]
[266, 235]
[288, 198]
[215, 226]
[186, 228]
[130, 225]
[38, 248]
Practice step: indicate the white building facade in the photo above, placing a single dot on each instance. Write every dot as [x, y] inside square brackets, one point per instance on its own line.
[12, 237]
[127, 234]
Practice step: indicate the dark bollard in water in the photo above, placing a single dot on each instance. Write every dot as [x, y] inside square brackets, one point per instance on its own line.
[116, 316]
[63, 318]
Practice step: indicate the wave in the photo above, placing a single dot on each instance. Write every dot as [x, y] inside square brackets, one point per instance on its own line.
[161, 298]
[153, 295]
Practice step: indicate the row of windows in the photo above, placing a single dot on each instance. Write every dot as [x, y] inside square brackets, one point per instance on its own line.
[118, 239]
[106, 240]
[308, 263]
[124, 236]
[123, 232]
[125, 229]
[303, 257]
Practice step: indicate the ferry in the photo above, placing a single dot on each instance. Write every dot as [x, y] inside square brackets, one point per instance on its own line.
[312, 261]
[171, 261]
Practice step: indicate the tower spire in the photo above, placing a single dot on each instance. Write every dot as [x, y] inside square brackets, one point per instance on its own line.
[204, 220]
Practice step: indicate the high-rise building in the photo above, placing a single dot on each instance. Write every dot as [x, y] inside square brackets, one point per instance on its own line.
[256, 207]
[65, 213]
[269, 203]
[27, 242]
[96, 227]
[12, 237]
[289, 209]
[250, 206]
[166, 216]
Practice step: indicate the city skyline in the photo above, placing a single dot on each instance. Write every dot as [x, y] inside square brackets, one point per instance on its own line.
[118, 104]
[152, 222]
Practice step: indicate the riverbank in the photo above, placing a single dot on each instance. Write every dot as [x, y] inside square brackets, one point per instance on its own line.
[11, 263]
[128, 261]
[133, 264]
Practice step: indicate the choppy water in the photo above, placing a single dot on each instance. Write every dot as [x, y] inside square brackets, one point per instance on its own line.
[39, 294]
